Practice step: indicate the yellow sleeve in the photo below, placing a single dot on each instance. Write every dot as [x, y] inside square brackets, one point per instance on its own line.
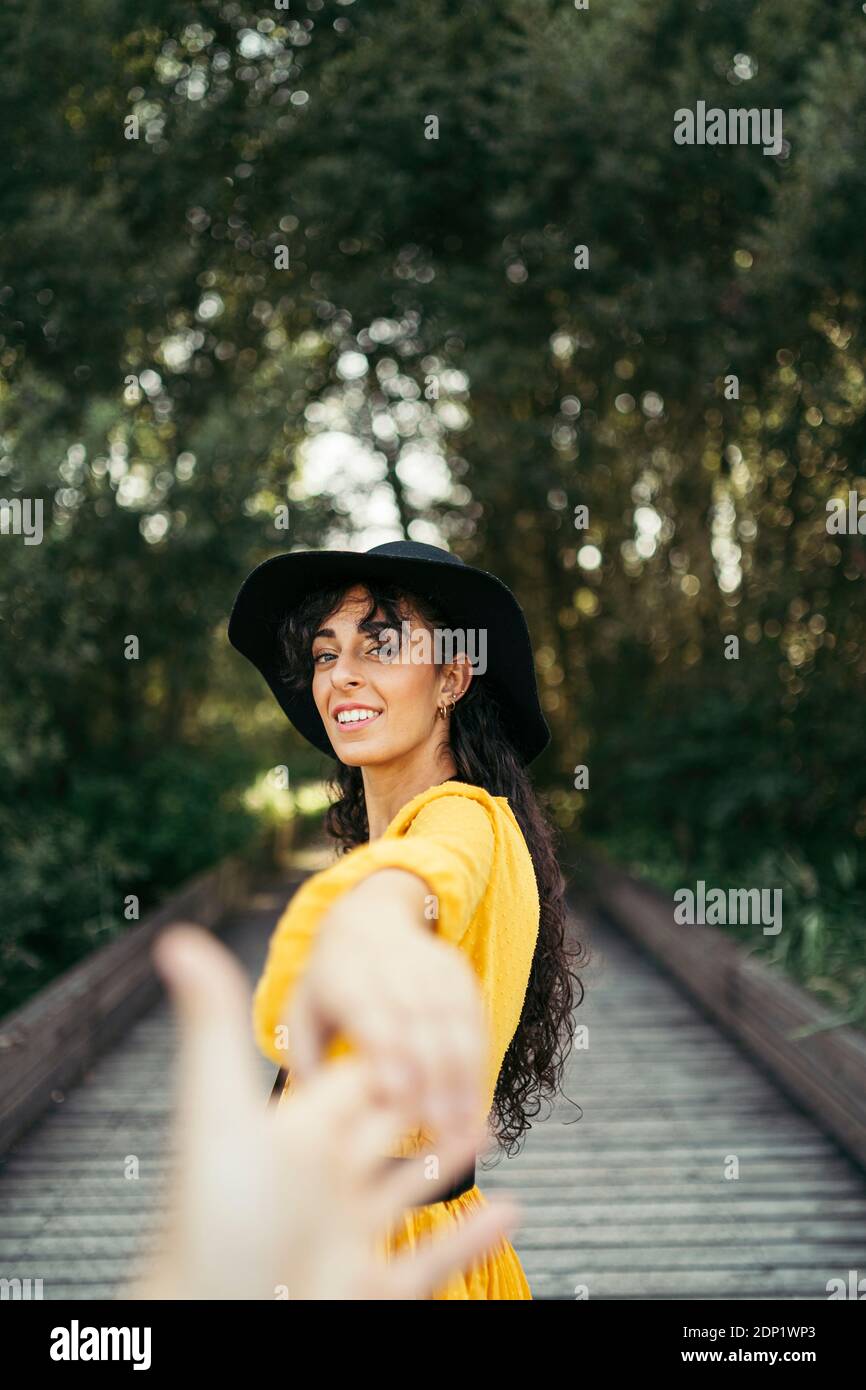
[449, 844]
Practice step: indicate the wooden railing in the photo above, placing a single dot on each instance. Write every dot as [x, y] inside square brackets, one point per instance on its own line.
[47, 1043]
[819, 1063]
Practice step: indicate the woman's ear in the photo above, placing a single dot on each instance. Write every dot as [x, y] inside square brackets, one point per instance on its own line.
[458, 677]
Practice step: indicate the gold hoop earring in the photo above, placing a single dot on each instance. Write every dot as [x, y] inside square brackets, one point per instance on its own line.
[445, 710]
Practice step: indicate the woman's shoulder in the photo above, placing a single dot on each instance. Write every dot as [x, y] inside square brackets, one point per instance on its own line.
[454, 800]
[480, 826]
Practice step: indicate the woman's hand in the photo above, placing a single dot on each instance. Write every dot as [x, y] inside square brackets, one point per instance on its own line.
[378, 976]
[288, 1201]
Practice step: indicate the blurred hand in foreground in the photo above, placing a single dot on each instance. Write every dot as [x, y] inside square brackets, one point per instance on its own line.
[295, 1200]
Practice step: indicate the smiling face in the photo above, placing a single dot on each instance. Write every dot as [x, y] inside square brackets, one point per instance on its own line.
[378, 710]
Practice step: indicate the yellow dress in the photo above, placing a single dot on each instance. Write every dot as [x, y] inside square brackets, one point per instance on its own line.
[467, 846]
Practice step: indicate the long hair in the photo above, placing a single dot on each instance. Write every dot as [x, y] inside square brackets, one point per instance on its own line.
[533, 1065]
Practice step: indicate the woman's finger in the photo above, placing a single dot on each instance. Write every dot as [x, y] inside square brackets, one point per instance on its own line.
[333, 1100]
[444, 1043]
[308, 1028]
[371, 1013]
[461, 1070]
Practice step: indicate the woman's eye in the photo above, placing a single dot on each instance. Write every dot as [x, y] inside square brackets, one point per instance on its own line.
[322, 658]
[383, 650]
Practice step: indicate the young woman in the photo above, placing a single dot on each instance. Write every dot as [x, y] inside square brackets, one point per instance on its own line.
[436, 943]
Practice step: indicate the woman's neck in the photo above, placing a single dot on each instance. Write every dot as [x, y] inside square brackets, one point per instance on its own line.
[387, 788]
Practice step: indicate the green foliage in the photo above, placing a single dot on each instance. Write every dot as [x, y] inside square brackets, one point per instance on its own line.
[70, 863]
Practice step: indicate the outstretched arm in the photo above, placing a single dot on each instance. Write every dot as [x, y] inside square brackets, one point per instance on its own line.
[368, 952]
[378, 975]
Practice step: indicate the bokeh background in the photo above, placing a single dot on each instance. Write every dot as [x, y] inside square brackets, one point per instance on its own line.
[430, 363]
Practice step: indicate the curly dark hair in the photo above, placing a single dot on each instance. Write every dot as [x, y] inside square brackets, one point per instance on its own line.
[533, 1065]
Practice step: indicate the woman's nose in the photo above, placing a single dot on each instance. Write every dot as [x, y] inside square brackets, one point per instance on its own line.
[344, 672]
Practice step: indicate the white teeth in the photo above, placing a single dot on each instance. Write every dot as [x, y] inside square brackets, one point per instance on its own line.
[356, 716]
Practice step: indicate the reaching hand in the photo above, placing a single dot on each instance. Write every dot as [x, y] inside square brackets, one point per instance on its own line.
[408, 999]
[292, 1200]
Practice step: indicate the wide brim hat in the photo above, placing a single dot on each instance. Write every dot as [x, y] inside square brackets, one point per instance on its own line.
[469, 598]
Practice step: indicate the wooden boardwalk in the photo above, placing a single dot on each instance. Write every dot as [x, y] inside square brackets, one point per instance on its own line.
[629, 1200]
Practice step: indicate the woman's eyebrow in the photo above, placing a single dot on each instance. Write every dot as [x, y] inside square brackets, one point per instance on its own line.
[375, 623]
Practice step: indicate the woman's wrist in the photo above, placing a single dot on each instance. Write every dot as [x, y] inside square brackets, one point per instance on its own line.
[393, 895]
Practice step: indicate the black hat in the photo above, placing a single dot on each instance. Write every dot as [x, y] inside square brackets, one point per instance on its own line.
[469, 597]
